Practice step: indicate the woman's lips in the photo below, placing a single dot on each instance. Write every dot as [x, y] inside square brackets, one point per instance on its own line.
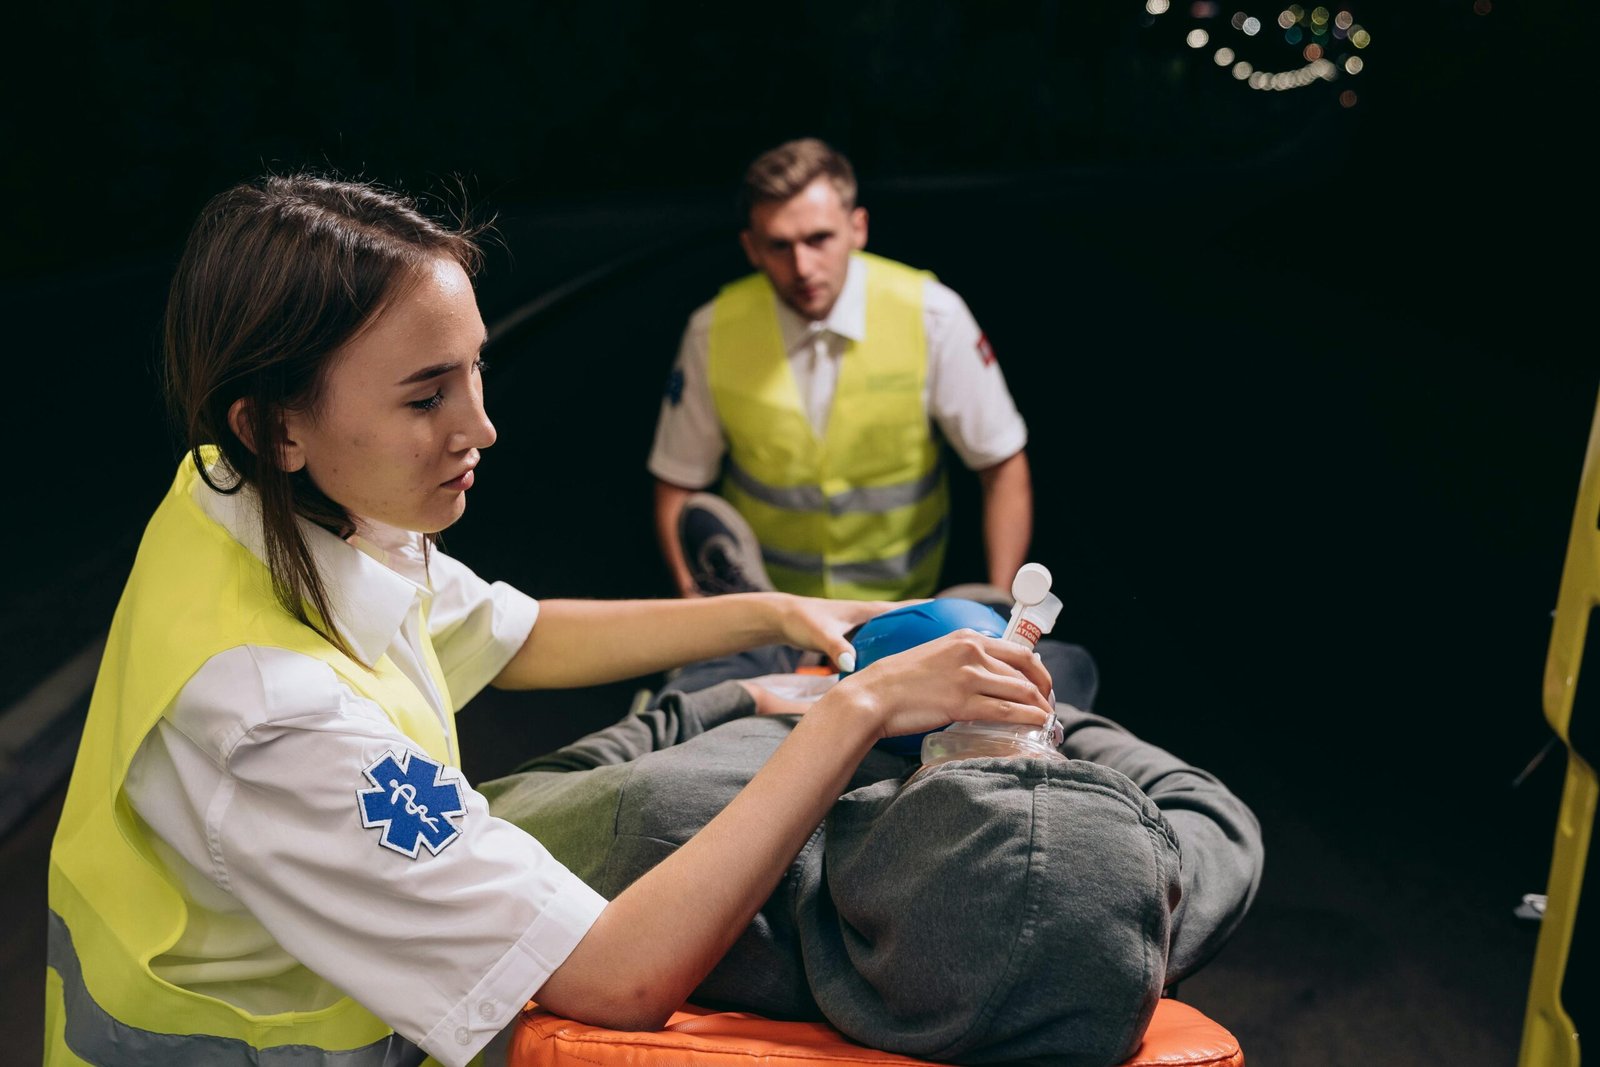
[462, 481]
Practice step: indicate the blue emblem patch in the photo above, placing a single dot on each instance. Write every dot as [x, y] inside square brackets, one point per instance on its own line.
[411, 802]
[674, 389]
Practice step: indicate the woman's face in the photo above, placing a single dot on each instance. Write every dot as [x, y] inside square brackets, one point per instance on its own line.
[401, 422]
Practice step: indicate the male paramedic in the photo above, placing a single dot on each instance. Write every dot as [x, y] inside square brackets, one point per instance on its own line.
[817, 390]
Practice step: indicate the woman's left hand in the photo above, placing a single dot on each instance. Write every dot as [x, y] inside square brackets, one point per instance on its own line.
[820, 624]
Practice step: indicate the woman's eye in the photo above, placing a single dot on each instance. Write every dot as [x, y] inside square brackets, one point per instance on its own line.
[481, 365]
[430, 403]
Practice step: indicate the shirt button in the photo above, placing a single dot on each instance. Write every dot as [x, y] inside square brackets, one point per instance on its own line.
[463, 1035]
[486, 1011]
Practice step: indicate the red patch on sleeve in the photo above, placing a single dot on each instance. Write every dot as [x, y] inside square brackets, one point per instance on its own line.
[985, 349]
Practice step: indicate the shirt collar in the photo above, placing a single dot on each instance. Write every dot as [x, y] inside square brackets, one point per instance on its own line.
[848, 317]
[374, 581]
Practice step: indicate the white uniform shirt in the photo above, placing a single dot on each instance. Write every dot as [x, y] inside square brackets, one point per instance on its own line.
[964, 393]
[250, 785]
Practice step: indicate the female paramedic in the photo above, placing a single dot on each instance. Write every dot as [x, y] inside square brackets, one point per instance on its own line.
[268, 853]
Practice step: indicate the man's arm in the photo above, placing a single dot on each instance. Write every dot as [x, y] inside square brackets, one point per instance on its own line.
[686, 455]
[670, 720]
[568, 798]
[1007, 517]
[969, 401]
[669, 505]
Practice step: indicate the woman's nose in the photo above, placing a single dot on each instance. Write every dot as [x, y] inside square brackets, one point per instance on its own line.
[476, 431]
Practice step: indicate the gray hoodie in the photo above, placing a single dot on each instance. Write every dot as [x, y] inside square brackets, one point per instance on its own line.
[988, 910]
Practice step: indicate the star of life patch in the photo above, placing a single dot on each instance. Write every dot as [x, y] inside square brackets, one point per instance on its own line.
[413, 803]
[674, 387]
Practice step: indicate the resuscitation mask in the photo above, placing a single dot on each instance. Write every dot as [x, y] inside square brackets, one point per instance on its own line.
[903, 628]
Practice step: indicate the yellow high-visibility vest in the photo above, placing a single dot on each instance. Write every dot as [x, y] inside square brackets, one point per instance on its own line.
[859, 513]
[194, 591]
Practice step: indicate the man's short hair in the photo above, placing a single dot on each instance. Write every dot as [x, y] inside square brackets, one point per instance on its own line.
[786, 170]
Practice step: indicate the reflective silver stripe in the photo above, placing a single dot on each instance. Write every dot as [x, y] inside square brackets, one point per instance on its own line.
[795, 561]
[873, 499]
[797, 498]
[895, 568]
[862, 572]
[94, 1035]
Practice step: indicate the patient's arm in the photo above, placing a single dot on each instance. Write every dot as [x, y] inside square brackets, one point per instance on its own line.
[574, 814]
[671, 720]
[1218, 836]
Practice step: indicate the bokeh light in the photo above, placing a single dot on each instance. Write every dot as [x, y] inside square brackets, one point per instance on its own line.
[1324, 38]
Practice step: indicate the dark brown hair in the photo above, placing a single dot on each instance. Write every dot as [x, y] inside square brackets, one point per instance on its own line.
[784, 171]
[277, 275]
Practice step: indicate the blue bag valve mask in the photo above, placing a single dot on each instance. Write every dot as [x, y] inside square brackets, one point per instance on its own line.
[903, 628]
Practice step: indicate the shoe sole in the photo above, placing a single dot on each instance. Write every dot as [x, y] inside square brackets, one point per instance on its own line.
[739, 526]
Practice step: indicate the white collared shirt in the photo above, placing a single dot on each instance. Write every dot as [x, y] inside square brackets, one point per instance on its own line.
[250, 785]
[964, 393]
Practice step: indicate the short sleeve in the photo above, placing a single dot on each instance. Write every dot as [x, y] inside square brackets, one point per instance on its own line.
[375, 868]
[967, 394]
[476, 626]
[689, 444]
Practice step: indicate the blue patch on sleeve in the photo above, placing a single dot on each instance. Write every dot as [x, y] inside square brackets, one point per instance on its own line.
[674, 389]
[411, 801]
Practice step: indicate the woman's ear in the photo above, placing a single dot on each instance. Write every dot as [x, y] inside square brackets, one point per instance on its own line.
[242, 421]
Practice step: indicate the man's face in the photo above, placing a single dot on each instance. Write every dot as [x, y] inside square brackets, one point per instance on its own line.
[803, 245]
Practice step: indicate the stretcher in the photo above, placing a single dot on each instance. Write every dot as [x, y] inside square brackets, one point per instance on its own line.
[1179, 1035]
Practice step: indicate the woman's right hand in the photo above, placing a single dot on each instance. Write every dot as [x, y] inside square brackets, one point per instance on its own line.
[961, 676]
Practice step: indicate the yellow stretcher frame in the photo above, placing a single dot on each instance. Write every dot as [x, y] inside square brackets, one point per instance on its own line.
[1549, 1037]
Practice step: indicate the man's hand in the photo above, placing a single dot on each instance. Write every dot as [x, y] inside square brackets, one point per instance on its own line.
[669, 500]
[787, 694]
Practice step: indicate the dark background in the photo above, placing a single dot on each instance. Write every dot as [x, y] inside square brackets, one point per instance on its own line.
[1305, 373]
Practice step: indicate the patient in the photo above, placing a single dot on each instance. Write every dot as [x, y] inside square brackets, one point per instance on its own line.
[991, 909]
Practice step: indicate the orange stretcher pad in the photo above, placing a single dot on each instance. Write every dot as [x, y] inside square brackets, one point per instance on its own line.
[1179, 1036]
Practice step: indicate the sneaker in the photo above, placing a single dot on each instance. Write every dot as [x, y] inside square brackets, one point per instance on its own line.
[720, 548]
